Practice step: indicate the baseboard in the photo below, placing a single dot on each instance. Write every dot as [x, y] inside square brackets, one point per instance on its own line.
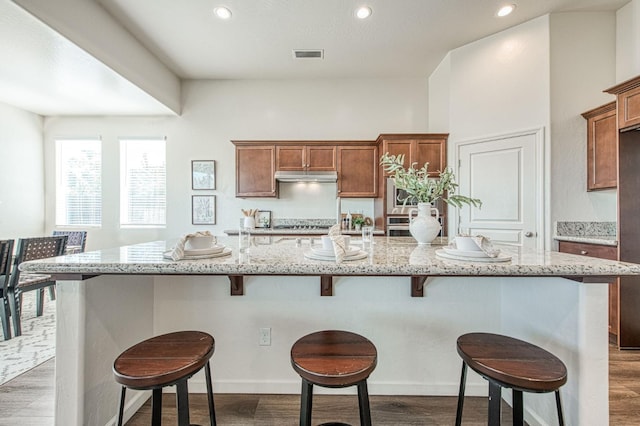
[132, 406]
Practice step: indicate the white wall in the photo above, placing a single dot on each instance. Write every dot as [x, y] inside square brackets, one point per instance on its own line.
[439, 88]
[628, 41]
[215, 112]
[497, 85]
[582, 66]
[22, 174]
[543, 73]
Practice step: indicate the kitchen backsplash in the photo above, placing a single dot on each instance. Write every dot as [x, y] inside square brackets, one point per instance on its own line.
[579, 229]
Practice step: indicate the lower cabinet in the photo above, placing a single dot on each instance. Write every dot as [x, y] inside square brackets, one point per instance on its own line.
[602, 252]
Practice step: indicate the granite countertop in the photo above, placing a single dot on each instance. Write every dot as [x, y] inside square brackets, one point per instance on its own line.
[272, 231]
[603, 233]
[400, 256]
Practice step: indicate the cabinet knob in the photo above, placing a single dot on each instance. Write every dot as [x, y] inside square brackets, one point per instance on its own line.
[583, 252]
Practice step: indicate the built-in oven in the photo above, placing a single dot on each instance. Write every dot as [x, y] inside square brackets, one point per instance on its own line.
[398, 226]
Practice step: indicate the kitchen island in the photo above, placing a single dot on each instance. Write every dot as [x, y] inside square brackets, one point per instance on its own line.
[110, 299]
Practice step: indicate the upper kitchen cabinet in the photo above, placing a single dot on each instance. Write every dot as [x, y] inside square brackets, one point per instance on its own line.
[255, 170]
[418, 148]
[602, 137]
[358, 170]
[628, 97]
[313, 157]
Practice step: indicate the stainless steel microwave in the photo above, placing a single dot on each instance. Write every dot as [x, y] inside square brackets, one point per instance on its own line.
[394, 195]
[396, 206]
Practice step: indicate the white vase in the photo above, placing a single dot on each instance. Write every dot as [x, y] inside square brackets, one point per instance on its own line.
[249, 222]
[424, 227]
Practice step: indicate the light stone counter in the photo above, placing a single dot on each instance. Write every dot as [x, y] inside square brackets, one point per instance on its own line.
[110, 299]
[399, 256]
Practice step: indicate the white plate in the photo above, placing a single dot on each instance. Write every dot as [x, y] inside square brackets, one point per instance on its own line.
[464, 253]
[320, 251]
[500, 258]
[225, 252]
[354, 256]
[201, 252]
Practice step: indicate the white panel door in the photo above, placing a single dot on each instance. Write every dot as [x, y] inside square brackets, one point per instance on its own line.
[505, 173]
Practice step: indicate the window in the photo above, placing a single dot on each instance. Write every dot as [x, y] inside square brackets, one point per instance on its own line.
[78, 182]
[143, 189]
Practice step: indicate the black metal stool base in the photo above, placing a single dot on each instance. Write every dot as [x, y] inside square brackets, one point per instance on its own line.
[306, 403]
[495, 401]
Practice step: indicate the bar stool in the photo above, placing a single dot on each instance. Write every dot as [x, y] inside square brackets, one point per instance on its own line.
[166, 360]
[509, 363]
[334, 359]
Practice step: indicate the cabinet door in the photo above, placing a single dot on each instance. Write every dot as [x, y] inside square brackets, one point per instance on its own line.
[602, 137]
[432, 151]
[290, 158]
[255, 169]
[358, 171]
[629, 108]
[399, 147]
[320, 158]
[603, 252]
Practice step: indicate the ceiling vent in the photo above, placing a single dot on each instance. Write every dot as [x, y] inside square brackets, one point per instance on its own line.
[309, 54]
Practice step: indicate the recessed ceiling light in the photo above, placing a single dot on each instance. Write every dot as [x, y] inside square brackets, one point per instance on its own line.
[222, 12]
[363, 12]
[506, 10]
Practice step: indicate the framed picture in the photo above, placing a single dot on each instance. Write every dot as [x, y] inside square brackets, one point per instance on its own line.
[203, 174]
[263, 219]
[203, 209]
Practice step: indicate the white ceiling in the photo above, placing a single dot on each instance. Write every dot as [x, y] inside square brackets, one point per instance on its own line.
[43, 72]
[406, 38]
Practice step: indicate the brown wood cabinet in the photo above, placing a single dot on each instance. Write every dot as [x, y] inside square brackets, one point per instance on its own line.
[628, 103]
[255, 169]
[628, 111]
[306, 157]
[602, 141]
[357, 171]
[418, 148]
[603, 252]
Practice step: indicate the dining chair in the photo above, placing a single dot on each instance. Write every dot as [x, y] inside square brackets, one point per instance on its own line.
[76, 240]
[6, 251]
[31, 249]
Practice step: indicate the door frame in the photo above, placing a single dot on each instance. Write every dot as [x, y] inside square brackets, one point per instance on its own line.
[541, 181]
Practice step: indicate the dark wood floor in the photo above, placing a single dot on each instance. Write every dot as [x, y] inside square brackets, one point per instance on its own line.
[28, 400]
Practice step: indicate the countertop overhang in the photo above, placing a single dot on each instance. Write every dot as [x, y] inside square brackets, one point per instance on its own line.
[391, 256]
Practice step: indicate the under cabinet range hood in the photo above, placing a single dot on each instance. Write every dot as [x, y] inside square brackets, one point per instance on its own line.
[306, 176]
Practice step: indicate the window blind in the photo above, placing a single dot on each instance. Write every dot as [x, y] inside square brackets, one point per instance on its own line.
[78, 182]
[143, 192]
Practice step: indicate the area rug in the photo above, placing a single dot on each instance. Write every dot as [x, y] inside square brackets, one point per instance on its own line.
[37, 343]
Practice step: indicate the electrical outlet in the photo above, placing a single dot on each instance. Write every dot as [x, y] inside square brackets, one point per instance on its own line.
[265, 336]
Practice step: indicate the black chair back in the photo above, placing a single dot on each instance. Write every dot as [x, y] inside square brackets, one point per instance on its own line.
[74, 238]
[6, 251]
[35, 249]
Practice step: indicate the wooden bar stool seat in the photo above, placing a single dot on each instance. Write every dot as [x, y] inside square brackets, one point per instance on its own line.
[334, 359]
[509, 363]
[166, 360]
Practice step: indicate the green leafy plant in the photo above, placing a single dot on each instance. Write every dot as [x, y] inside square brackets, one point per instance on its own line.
[419, 186]
[358, 220]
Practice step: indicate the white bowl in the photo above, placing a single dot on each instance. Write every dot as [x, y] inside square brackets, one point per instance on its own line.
[327, 244]
[466, 244]
[199, 242]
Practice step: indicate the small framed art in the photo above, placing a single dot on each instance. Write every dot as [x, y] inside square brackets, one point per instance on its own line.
[203, 209]
[203, 174]
[263, 219]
